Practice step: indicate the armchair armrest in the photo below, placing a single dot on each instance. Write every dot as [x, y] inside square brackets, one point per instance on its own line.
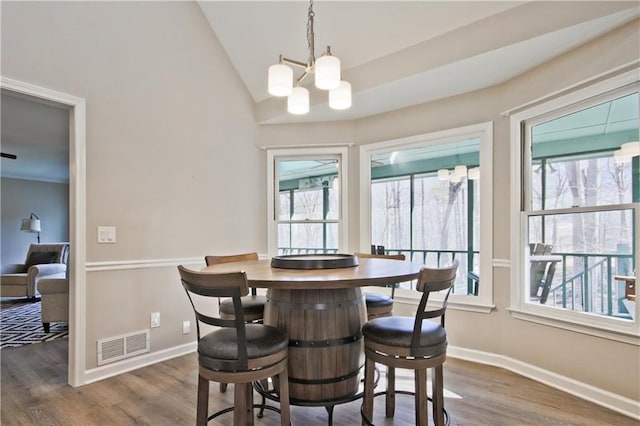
[46, 269]
[36, 272]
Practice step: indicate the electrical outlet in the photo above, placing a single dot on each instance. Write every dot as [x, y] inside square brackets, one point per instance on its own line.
[186, 327]
[155, 319]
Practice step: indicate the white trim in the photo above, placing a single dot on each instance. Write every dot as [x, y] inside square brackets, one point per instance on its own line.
[615, 402]
[502, 263]
[310, 145]
[585, 327]
[557, 93]
[468, 304]
[483, 131]
[339, 150]
[596, 325]
[130, 364]
[77, 218]
[118, 265]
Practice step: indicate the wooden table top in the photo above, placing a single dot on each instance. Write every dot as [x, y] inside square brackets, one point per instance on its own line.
[369, 272]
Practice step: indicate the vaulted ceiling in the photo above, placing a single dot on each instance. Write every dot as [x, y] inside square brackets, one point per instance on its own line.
[397, 54]
[394, 53]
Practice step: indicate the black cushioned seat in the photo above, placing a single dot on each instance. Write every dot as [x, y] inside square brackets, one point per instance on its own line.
[398, 331]
[377, 300]
[262, 340]
[251, 305]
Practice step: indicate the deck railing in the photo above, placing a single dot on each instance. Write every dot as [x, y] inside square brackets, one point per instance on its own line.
[586, 283]
[582, 282]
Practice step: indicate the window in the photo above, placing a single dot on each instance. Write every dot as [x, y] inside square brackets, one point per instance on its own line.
[421, 197]
[307, 201]
[576, 218]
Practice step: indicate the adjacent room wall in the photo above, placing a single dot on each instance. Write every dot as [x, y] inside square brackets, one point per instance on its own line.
[48, 200]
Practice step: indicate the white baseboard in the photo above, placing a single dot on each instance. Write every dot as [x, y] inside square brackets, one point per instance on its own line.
[620, 404]
[604, 398]
[130, 364]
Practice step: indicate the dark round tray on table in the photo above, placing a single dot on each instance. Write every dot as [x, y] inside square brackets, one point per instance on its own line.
[314, 261]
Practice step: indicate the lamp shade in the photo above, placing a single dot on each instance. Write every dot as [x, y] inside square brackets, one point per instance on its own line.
[631, 149]
[280, 80]
[327, 70]
[474, 173]
[340, 97]
[443, 174]
[30, 225]
[298, 101]
[460, 171]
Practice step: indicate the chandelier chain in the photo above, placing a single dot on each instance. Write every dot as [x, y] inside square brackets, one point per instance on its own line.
[310, 37]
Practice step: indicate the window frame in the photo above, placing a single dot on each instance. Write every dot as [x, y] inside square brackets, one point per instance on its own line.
[285, 154]
[483, 302]
[521, 209]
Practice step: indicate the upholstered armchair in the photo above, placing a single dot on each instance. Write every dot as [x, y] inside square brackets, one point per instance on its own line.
[55, 301]
[43, 260]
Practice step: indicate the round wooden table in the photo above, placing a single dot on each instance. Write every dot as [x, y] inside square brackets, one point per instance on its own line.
[322, 311]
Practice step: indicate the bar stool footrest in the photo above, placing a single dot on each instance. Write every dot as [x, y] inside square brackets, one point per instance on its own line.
[262, 407]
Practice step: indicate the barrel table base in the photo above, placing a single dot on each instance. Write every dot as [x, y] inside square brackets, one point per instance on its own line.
[325, 341]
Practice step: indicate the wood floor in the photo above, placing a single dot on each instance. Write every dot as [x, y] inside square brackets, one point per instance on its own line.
[34, 392]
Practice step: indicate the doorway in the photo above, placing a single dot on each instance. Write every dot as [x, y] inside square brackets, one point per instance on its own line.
[77, 213]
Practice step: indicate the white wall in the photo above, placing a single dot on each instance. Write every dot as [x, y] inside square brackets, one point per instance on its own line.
[171, 160]
[48, 200]
[604, 364]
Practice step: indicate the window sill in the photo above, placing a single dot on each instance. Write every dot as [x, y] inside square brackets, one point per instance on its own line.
[625, 336]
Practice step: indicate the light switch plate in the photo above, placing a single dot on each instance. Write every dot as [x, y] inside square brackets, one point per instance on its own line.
[106, 234]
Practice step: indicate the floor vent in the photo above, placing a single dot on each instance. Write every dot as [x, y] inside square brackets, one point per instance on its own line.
[119, 347]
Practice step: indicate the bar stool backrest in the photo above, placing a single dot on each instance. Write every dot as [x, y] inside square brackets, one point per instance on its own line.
[233, 285]
[431, 280]
[216, 260]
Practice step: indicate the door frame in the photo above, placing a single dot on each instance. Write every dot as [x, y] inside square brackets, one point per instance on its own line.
[77, 218]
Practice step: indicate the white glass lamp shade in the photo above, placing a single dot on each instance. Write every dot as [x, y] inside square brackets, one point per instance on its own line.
[631, 149]
[474, 173]
[298, 101]
[340, 97]
[280, 80]
[327, 70]
[443, 174]
[619, 156]
[30, 225]
[460, 171]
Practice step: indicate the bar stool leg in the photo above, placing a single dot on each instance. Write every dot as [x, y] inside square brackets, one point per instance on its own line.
[223, 387]
[367, 403]
[285, 411]
[421, 397]
[202, 411]
[390, 398]
[240, 417]
[437, 391]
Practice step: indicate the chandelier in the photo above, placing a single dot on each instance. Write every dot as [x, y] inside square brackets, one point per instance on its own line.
[327, 77]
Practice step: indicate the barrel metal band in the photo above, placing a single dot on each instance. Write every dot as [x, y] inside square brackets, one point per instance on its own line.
[315, 306]
[324, 343]
[325, 381]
